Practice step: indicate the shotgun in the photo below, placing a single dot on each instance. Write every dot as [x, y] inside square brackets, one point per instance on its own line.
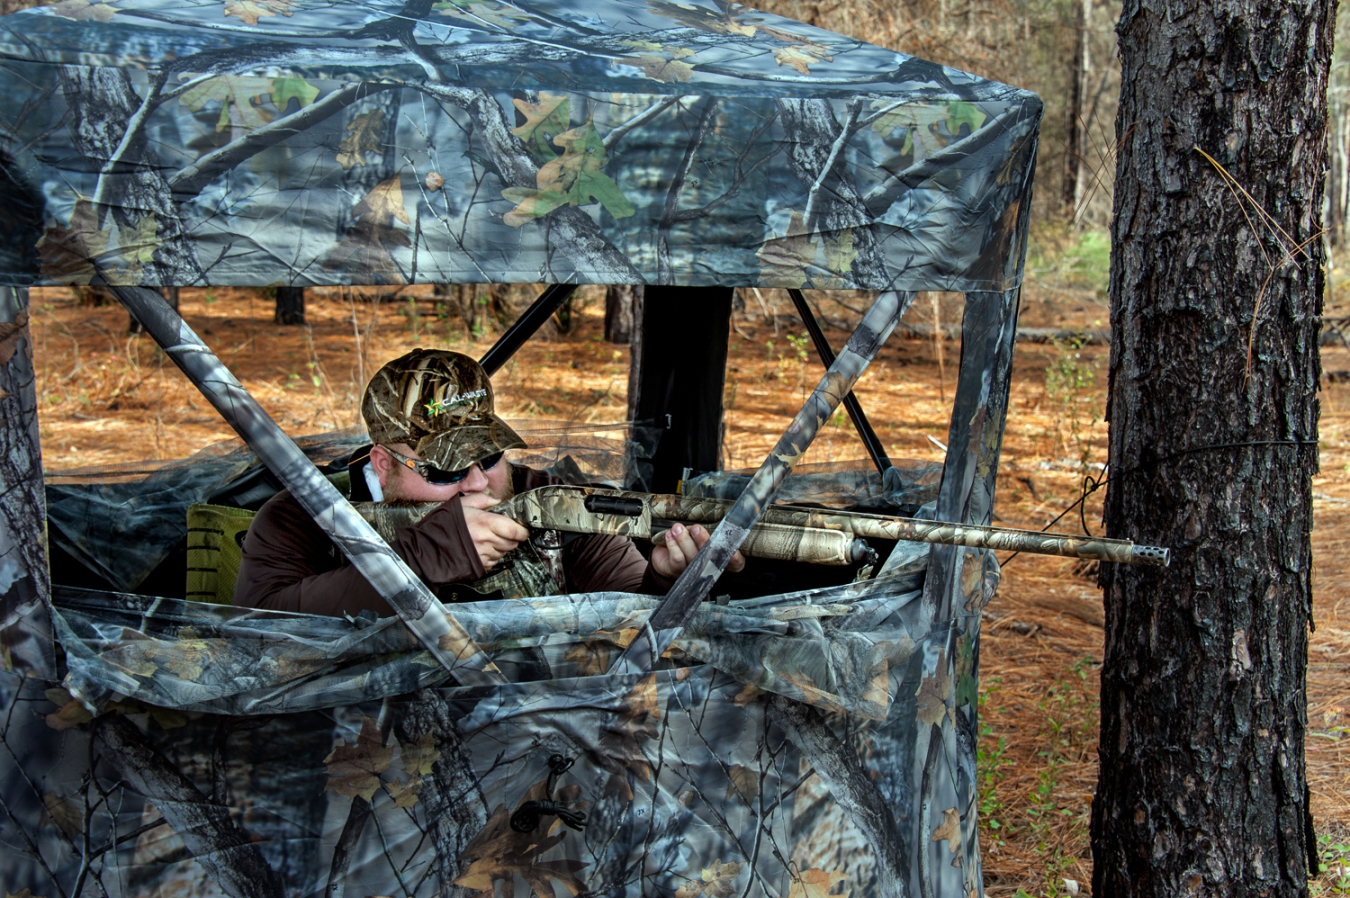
[819, 536]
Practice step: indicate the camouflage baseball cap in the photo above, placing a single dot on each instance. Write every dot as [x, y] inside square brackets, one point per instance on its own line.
[439, 403]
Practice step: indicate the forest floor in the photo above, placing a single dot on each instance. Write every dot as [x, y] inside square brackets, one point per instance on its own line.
[107, 398]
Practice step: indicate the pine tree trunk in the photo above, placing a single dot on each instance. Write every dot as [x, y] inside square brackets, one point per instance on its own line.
[620, 313]
[1202, 783]
[290, 305]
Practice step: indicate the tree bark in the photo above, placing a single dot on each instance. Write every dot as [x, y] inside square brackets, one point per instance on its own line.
[1201, 790]
[620, 313]
[290, 305]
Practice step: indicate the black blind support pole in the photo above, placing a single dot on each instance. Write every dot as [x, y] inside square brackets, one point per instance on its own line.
[533, 319]
[855, 412]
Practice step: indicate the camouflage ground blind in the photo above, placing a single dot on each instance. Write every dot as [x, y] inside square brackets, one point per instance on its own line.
[803, 744]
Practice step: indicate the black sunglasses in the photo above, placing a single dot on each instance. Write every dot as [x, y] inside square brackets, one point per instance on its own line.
[438, 477]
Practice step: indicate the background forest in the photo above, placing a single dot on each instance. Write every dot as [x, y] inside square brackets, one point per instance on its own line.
[108, 398]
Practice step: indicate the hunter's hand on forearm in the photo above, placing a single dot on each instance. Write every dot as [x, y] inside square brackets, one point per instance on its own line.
[669, 559]
[493, 535]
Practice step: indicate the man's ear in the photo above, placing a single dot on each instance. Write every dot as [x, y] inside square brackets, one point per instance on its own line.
[382, 464]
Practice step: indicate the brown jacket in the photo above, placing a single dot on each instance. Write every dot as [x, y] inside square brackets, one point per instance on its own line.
[289, 564]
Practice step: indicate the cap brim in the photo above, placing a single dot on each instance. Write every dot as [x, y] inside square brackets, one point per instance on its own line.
[459, 447]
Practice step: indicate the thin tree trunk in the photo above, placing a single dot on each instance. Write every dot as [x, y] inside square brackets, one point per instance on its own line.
[290, 305]
[620, 313]
[1202, 782]
[1076, 127]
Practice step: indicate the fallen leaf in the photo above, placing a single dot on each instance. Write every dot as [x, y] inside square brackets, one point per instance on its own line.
[483, 12]
[591, 658]
[364, 251]
[747, 695]
[355, 769]
[499, 853]
[839, 254]
[247, 11]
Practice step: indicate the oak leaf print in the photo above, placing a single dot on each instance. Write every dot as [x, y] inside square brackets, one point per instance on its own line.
[967, 686]
[659, 67]
[499, 854]
[364, 252]
[240, 98]
[801, 56]
[950, 831]
[716, 881]
[366, 137]
[249, 11]
[69, 255]
[355, 769]
[483, 12]
[84, 11]
[544, 121]
[725, 18]
[288, 87]
[784, 260]
[816, 883]
[573, 179]
[934, 691]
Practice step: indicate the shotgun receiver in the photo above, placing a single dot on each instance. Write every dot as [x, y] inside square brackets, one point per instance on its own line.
[819, 536]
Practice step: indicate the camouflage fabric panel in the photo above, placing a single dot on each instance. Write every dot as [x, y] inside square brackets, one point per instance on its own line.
[215, 539]
[689, 780]
[378, 113]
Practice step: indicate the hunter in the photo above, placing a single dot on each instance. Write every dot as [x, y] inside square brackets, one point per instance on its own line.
[435, 438]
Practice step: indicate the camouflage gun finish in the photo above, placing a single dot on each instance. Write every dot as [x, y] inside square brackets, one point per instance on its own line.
[573, 509]
[788, 534]
[436, 628]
